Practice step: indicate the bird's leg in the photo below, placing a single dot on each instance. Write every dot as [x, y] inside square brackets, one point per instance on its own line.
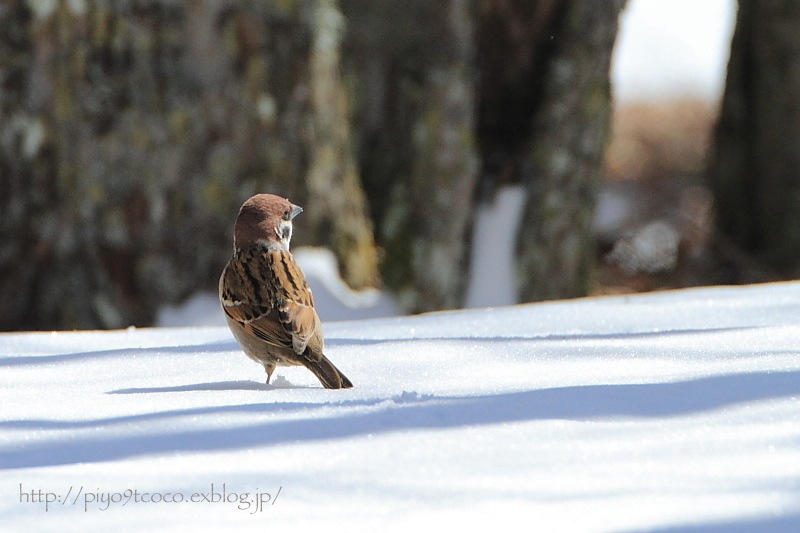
[270, 368]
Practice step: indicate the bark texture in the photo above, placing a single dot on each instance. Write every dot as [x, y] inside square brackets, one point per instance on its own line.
[562, 166]
[415, 70]
[132, 131]
[754, 172]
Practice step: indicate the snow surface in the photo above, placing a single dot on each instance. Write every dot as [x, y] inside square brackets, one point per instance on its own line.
[676, 410]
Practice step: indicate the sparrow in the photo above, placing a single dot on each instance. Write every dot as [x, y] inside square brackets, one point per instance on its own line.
[265, 297]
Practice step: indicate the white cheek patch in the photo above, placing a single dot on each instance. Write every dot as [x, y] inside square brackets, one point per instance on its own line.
[285, 232]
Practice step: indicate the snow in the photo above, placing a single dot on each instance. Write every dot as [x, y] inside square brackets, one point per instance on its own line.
[492, 251]
[665, 410]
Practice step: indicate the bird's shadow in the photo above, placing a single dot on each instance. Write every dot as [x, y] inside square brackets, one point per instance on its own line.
[278, 383]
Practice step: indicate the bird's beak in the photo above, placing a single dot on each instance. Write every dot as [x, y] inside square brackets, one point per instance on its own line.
[296, 210]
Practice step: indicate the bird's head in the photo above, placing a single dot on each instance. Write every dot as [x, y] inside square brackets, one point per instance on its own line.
[265, 219]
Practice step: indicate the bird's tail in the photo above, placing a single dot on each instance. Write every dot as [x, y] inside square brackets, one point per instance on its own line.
[328, 374]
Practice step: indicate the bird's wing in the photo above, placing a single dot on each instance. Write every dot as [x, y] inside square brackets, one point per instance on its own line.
[248, 301]
[295, 304]
[267, 294]
[303, 324]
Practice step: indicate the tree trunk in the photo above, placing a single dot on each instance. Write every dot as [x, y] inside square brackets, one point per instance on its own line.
[130, 134]
[562, 164]
[336, 200]
[414, 62]
[754, 172]
[543, 117]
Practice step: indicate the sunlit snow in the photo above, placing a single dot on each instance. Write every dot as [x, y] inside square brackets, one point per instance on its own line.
[648, 411]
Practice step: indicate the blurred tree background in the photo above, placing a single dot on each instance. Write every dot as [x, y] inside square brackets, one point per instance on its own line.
[132, 130]
[755, 170]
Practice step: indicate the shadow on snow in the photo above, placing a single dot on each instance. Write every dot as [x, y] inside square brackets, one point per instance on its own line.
[408, 411]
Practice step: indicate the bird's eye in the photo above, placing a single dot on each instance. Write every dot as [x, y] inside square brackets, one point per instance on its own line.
[286, 214]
